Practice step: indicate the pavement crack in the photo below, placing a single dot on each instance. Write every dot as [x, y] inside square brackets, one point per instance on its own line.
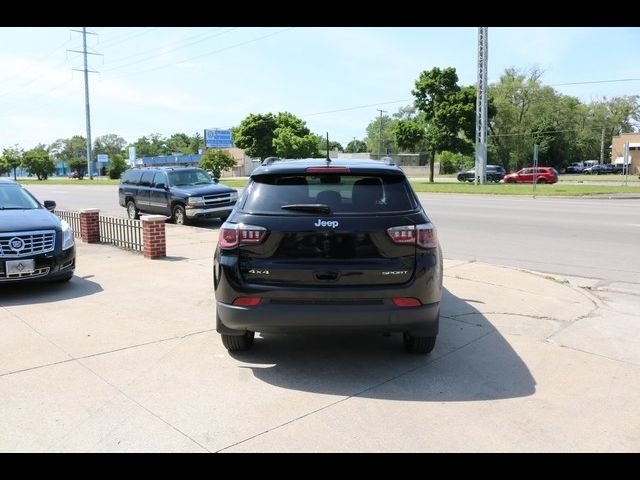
[357, 394]
[72, 358]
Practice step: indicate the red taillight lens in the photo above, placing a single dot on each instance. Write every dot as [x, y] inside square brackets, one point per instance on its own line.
[228, 237]
[422, 235]
[427, 236]
[403, 235]
[247, 301]
[327, 170]
[231, 235]
[406, 302]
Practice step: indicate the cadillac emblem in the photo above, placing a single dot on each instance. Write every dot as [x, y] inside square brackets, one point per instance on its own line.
[16, 244]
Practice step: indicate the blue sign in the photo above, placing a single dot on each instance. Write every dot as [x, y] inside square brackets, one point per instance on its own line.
[217, 138]
[102, 158]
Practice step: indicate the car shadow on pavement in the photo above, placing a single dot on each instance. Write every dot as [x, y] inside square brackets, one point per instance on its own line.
[33, 293]
[471, 361]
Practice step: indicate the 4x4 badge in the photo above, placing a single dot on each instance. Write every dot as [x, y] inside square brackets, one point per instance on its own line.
[326, 223]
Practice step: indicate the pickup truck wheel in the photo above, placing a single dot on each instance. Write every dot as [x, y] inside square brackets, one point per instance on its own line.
[179, 216]
[132, 211]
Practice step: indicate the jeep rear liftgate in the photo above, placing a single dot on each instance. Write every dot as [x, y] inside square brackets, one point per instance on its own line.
[344, 251]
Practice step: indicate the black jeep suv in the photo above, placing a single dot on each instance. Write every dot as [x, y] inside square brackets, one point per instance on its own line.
[35, 245]
[181, 193]
[316, 245]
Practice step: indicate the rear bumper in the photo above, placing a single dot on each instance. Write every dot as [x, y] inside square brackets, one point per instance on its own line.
[269, 318]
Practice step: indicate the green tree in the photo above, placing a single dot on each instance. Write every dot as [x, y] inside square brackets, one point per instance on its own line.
[446, 118]
[290, 145]
[151, 146]
[382, 140]
[410, 134]
[78, 165]
[38, 163]
[11, 159]
[268, 135]
[117, 165]
[109, 144]
[356, 146]
[196, 143]
[255, 135]
[216, 161]
[180, 143]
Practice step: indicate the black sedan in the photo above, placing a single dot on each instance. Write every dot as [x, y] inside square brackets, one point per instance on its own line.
[35, 245]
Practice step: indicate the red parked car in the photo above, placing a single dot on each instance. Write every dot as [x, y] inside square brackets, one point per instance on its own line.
[527, 175]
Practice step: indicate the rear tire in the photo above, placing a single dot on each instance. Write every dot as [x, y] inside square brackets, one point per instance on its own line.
[542, 180]
[417, 344]
[238, 343]
[132, 211]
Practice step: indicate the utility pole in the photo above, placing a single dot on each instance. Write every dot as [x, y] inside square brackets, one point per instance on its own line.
[602, 147]
[380, 133]
[481, 105]
[86, 91]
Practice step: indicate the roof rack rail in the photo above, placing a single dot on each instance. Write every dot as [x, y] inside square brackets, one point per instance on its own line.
[388, 161]
[269, 160]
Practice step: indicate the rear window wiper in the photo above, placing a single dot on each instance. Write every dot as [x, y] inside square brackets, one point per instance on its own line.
[308, 207]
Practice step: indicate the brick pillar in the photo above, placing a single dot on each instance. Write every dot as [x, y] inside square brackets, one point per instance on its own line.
[89, 226]
[153, 236]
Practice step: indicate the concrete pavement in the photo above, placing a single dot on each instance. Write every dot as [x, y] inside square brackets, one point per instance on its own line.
[125, 357]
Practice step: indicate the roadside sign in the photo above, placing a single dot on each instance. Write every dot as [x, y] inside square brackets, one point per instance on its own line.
[102, 158]
[216, 138]
[132, 156]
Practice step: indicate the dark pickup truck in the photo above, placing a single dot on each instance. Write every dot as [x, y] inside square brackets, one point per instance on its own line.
[181, 193]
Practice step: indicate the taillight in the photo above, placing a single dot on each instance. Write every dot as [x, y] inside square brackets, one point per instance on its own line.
[406, 302]
[247, 301]
[427, 236]
[233, 234]
[423, 235]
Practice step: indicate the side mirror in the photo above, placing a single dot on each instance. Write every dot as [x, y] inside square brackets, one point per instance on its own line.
[216, 180]
[50, 205]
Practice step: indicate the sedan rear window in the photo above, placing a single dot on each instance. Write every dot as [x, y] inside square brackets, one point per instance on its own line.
[341, 193]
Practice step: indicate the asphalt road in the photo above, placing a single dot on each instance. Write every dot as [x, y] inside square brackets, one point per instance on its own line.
[585, 237]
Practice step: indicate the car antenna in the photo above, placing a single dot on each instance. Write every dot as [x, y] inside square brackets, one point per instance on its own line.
[328, 159]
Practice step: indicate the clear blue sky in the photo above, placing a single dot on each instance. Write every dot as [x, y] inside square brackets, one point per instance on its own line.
[167, 80]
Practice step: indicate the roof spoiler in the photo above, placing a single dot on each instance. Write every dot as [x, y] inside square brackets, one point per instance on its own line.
[269, 161]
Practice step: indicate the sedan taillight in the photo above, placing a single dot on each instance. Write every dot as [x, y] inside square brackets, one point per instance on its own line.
[423, 235]
[233, 234]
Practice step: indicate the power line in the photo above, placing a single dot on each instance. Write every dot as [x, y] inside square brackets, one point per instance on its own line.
[533, 133]
[38, 59]
[596, 81]
[124, 37]
[136, 62]
[355, 108]
[203, 54]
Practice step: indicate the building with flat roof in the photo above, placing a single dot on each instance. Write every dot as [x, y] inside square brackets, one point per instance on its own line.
[617, 151]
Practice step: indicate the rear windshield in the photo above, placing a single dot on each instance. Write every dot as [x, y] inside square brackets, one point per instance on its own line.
[342, 193]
